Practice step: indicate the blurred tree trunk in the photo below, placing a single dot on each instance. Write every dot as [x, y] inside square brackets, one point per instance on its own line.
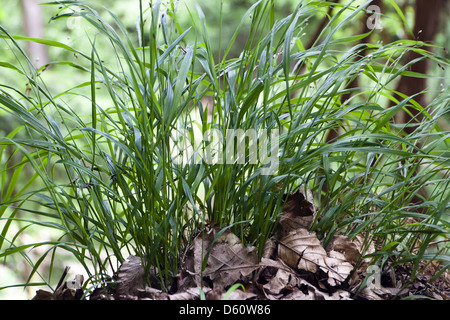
[322, 25]
[34, 27]
[426, 26]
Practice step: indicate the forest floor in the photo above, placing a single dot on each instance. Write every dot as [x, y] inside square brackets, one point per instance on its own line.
[294, 266]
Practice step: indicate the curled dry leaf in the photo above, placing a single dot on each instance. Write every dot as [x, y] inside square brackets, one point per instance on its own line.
[299, 211]
[337, 267]
[275, 278]
[352, 250]
[228, 260]
[130, 277]
[301, 250]
[270, 249]
[283, 283]
[309, 292]
[43, 295]
[345, 246]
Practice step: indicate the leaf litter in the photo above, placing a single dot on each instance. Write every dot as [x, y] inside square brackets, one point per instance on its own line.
[295, 266]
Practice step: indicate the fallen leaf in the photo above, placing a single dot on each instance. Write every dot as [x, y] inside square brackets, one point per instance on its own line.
[337, 268]
[43, 295]
[345, 246]
[152, 293]
[190, 294]
[286, 284]
[301, 250]
[282, 281]
[270, 249]
[369, 294]
[238, 294]
[338, 295]
[228, 260]
[65, 290]
[130, 277]
[310, 292]
[300, 295]
[299, 211]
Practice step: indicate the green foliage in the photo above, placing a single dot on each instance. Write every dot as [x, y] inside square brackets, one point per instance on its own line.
[108, 182]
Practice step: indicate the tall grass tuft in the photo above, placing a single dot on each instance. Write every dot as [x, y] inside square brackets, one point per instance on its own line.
[141, 169]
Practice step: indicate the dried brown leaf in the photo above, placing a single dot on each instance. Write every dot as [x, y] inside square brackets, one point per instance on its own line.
[190, 294]
[43, 295]
[238, 294]
[282, 281]
[300, 295]
[270, 249]
[301, 250]
[286, 284]
[228, 260]
[152, 293]
[241, 295]
[299, 211]
[338, 295]
[65, 290]
[337, 268]
[345, 246]
[130, 277]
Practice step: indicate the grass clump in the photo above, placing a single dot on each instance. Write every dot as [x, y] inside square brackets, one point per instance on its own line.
[150, 163]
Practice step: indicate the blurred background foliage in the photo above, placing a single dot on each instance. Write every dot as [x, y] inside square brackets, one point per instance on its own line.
[73, 32]
[15, 17]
